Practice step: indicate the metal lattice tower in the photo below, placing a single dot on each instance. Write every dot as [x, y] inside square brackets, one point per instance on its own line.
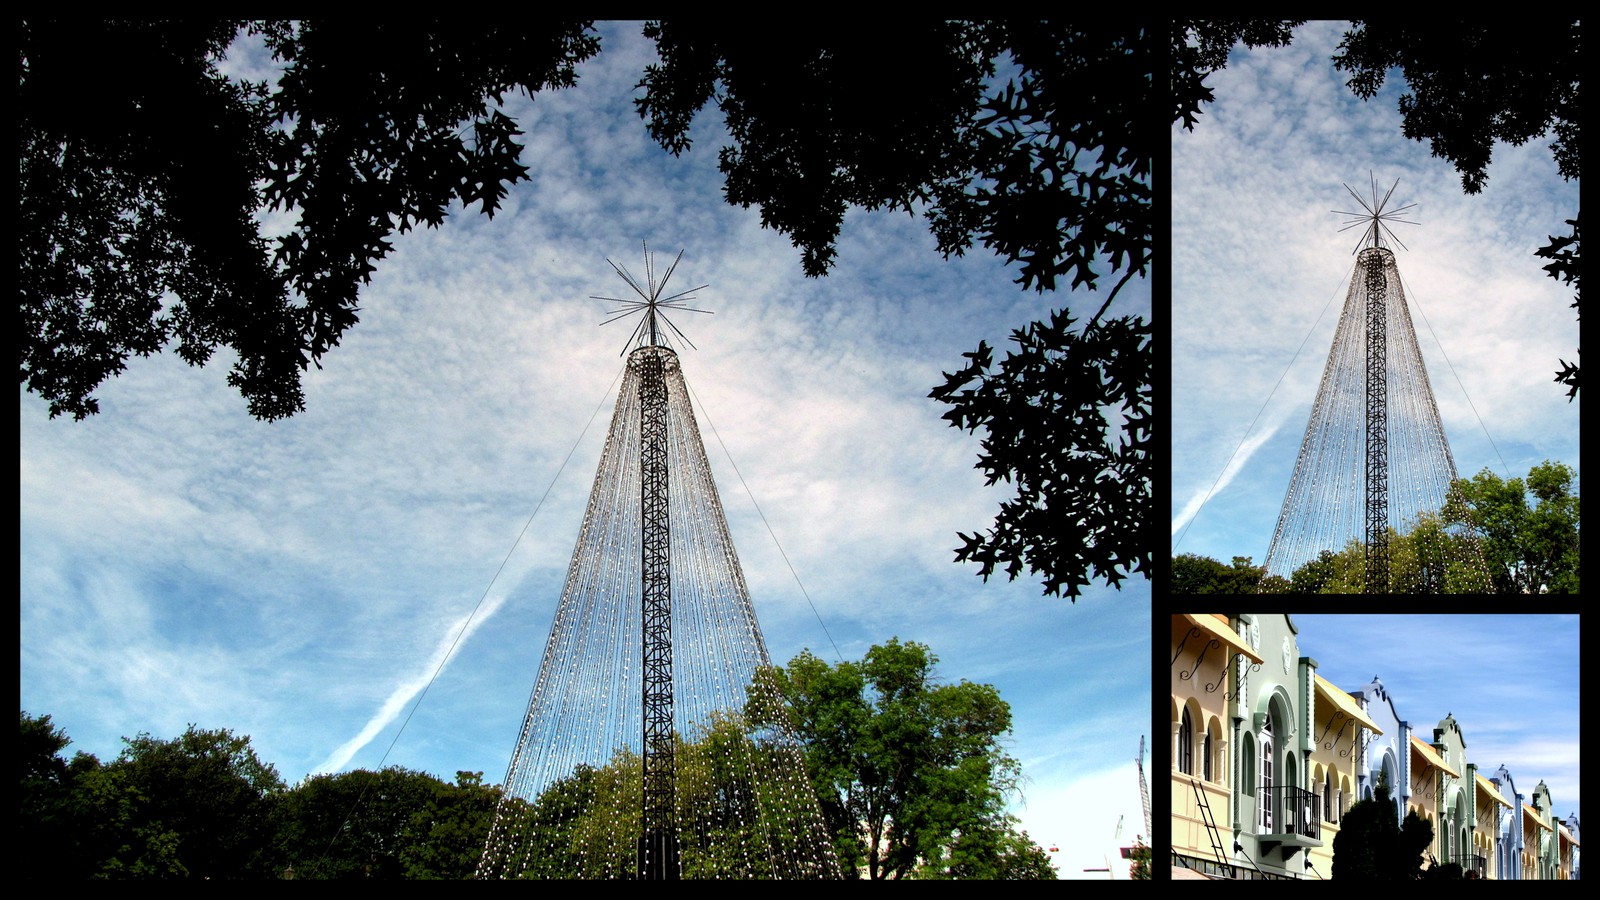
[1375, 462]
[656, 744]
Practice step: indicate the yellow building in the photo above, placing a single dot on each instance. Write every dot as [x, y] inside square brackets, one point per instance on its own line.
[1205, 647]
[1569, 847]
[1338, 721]
[1428, 772]
[1535, 833]
[1488, 805]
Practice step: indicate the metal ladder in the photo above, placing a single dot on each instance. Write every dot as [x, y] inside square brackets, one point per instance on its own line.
[1209, 819]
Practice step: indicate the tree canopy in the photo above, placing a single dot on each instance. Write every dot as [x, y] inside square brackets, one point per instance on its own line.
[1512, 547]
[197, 806]
[210, 213]
[1436, 555]
[142, 221]
[1083, 481]
[1195, 574]
[1372, 846]
[908, 770]
[204, 806]
[391, 824]
[1051, 171]
[1529, 549]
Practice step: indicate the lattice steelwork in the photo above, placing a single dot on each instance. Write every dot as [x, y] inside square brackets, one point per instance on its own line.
[655, 743]
[1375, 462]
[658, 852]
[1377, 320]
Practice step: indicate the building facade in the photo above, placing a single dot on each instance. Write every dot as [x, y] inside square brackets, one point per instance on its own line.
[1340, 727]
[1276, 818]
[1267, 757]
[1456, 812]
[1490, 805]
[1206, 649]
[1547, 857]
[1512, 850]
[1384, 754]
[1572, 829]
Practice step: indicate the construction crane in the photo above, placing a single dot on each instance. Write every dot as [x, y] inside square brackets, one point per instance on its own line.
[1144, 789]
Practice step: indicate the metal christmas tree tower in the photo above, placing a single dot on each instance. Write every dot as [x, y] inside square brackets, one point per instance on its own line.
[656, 744]
[1375, 464]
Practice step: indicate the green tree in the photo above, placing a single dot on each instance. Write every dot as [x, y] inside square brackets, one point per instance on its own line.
[141, 223]
[1327, 570]
[1471, 83]
[122, 838]
[742, 808]
[447, 835]
[1514, 547]
[57, 826]
[44, 791]
[995, 851]
[1139, 868]
[902, 763]
[1529, 548]
[192, 807]
[1195, 574]
[353, 824]
[205, 795]
[1436, 556]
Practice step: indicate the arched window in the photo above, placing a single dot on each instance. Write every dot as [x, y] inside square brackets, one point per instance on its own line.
[1205, 759]
[1327, 798]
[1186, 744]
[1265, 801]
[1247, 762]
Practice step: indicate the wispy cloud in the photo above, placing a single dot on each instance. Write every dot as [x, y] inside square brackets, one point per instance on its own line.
[1247, 449]
[1257, 253]
[301, 581]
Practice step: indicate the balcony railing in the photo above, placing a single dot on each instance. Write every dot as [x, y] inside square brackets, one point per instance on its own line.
[1291, 810]
[1473, 863]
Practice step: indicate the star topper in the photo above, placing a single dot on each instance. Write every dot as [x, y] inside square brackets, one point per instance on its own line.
[1375, 217]
[649, 332]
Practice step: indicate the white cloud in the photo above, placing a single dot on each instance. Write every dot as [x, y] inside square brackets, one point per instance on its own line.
[1257, 253]
[296, 580]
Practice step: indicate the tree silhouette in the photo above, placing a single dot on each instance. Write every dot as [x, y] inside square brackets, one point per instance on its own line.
[1372, 846]
[142, 222]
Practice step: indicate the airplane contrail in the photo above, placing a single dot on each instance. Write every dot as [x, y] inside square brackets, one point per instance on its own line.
[454, 638]
[1240, 457]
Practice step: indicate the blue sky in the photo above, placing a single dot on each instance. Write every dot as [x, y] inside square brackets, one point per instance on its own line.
[301, 581]
[1260, 268]
[1511, 681]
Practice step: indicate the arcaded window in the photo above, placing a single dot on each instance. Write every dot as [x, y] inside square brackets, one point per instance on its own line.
[1266, 803]
[1186, 743]
[1247, 762]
